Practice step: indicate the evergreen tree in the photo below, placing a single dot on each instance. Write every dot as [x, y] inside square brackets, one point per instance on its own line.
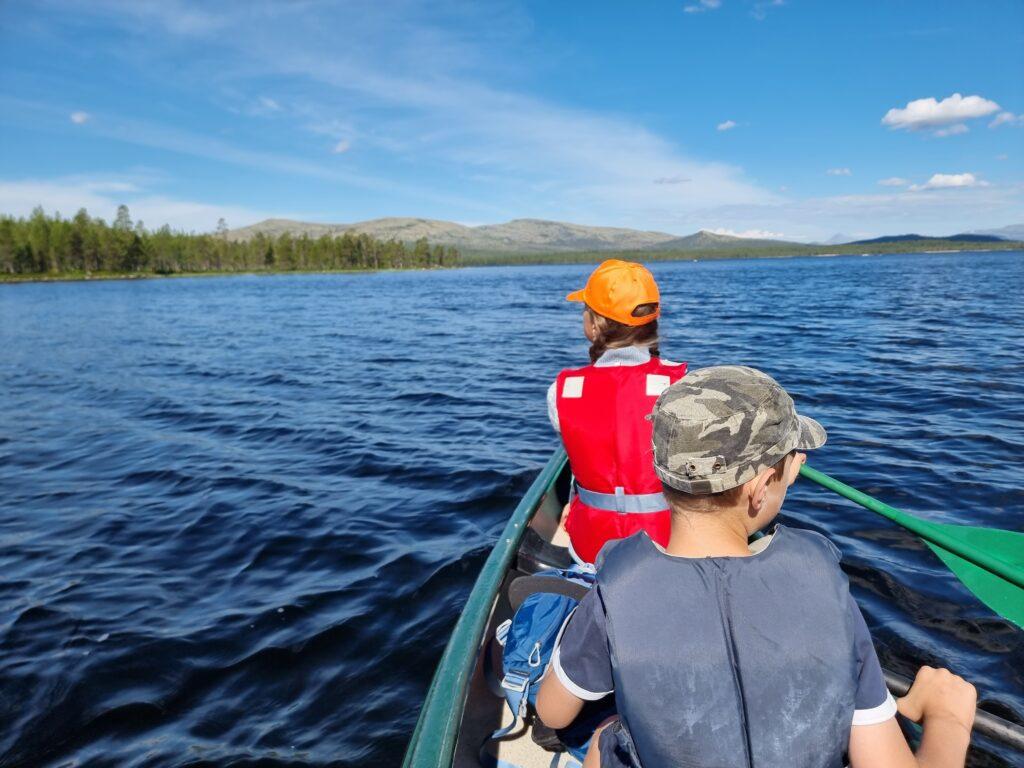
[122, 221]
[421, 252]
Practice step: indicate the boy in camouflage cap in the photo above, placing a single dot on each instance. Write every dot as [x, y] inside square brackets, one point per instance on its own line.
[721, 652]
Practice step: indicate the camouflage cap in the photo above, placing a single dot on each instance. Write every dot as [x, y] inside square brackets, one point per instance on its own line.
[716, 428]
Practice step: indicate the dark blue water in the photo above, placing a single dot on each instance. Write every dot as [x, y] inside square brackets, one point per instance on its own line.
[240, 515]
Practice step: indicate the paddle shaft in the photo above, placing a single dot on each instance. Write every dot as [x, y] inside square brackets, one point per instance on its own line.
[922, 528]
[985, 723]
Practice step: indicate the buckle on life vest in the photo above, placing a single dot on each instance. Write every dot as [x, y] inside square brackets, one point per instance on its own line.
[622, 502]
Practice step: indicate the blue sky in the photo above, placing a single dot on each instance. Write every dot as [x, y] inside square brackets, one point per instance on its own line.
[792, 118]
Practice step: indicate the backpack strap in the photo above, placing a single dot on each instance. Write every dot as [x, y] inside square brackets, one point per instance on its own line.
[517, 693]
[517, 684]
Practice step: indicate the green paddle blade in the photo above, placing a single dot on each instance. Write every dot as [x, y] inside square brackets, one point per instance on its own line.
[989, 561]
[1002, 596]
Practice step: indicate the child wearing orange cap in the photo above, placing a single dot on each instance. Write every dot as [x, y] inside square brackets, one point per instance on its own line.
[601, 409]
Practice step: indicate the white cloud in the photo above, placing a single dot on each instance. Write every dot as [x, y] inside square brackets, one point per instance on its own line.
[953, 130]
[1003, 156]
[101, 198]
[728, 125]
[949, 181]
[929, 114]
[80, 118]
[108, 186]
[760, 9]
[1006, 118]
[268, 104]
[893, 181]
[341, 147]
[750, 234]
[839, 172]
[672, 180]
[702, 5]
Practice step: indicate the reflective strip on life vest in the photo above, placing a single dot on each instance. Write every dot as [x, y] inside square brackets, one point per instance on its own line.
[622, 502]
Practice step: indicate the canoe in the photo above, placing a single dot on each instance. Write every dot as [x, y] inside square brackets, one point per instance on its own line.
[461, 709]
[464, 705]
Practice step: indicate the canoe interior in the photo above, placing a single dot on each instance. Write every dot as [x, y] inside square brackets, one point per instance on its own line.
[543, 546]
[464, 706]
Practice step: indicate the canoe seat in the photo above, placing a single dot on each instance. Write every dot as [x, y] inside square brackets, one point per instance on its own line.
[536, 554]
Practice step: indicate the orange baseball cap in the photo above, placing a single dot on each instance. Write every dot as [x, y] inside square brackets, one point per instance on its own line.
[616, 288]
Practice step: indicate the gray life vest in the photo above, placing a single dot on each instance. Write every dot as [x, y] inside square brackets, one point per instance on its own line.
[731, 661]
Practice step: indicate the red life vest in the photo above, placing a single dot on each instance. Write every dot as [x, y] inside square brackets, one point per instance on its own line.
[601, 415]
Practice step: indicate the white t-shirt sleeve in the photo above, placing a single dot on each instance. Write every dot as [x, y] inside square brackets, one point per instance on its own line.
[553, 405]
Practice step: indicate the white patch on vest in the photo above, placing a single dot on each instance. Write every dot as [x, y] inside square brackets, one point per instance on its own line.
[656, 384]
[573, 386]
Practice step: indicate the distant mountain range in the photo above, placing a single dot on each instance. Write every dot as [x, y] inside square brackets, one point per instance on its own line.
[838, 239]
[1014, 232]
[517, 236]
[539, 236]
[962, 238]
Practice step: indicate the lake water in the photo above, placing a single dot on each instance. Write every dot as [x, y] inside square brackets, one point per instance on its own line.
[240, 515]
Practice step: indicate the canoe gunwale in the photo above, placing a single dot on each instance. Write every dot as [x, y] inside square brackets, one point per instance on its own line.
[437, 728]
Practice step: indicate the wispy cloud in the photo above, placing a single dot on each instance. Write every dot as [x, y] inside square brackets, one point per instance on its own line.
[341, 147]
[761, 8]
[268, 104]
[155, 135]
[839, 172]
[79, 118]
[174, 16]
[1006, 118]
[426, 105]
[954, 130]
[703, 5]
[672, 180]
[102, 196]
[728, 125]
[944, 118]
[893, 181]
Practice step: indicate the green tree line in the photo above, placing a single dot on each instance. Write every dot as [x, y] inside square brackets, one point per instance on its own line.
[474, 258]
[50, 245]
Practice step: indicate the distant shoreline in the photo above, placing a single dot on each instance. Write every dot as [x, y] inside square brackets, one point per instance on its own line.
[470, 260]
[481, 259]
[80, 277]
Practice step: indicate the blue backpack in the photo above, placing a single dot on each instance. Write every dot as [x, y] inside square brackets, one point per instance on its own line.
[545, 603]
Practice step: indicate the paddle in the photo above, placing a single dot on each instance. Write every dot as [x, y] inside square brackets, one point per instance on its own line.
[989, 561]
